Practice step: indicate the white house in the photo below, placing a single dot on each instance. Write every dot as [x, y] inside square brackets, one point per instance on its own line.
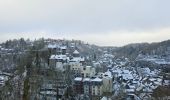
[76, 63]
[97, 86]
[107, 82]
[58, 61]
[88, 71]
[86, 85]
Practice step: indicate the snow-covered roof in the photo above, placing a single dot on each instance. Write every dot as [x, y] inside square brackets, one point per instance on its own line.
[1, 78]
[116, 71]
[166, 82]
[126, 71]
[63, 57]
[127, 76]
[134, 82]
[130, 90]
[147, 89]
[75, 52]
[52, 46]
[132, 87]
[146, 70]
[108, 73]
[52, 57]
[89, 66]
[77, 59]
[86, 79]
[159, 79]
[48, 92]
[106, 98]
[63, 47]
[97, 80]
[108, 55]
[162, 62]
[152, 79]
[72, 46]
[157, 83]
[153, 87]
[78, 79]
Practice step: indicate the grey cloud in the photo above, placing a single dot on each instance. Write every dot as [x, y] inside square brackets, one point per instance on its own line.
[83, 15]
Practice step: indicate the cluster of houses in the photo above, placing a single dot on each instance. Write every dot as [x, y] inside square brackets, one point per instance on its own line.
[93, 86]
[5, 62]
[86, 80]
[106, 76]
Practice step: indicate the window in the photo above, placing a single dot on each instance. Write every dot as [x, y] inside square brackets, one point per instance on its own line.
[93, 93]
[84, 68]
[98, 92]
[82, 75]
[87, 75]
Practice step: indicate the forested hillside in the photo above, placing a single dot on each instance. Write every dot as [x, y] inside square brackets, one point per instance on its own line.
[132, 50]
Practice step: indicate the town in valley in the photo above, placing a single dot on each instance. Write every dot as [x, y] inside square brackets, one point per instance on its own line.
[55, 69]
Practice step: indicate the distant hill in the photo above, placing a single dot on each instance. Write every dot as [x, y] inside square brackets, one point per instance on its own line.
[132, 50]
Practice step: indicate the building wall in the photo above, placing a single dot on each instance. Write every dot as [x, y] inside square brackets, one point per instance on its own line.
[87, 89]
[75, 65]
[59, 65]
[96, 90]
[107, 84]
[88, 71]
[76, 68]
[78, 87]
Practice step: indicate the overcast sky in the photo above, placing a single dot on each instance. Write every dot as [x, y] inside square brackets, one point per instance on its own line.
[101, 22]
